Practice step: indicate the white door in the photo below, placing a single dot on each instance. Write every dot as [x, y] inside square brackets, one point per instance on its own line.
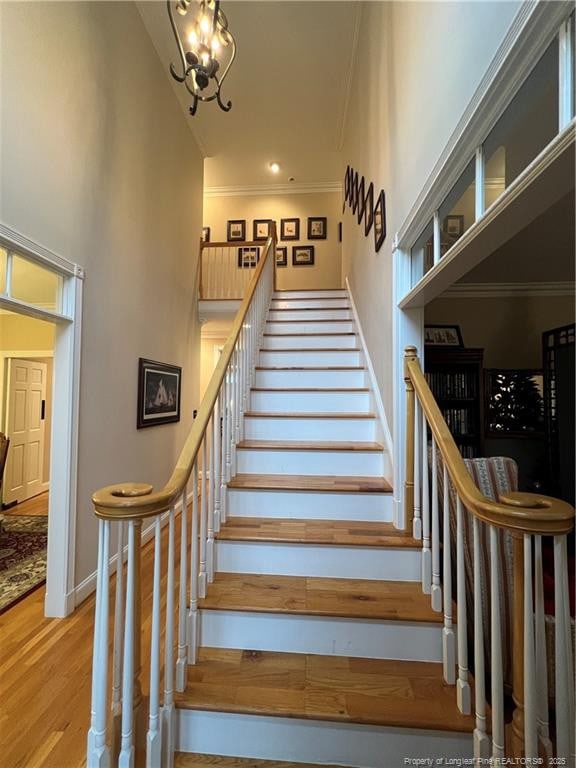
[26, 404]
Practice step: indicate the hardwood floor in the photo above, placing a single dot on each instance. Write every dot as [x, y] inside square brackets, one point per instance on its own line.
[191, 760]
[338, 688]
[317, 445]
[38, 505]
[312, 483]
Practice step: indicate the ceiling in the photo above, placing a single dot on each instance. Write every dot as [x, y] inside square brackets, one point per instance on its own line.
[288, 87]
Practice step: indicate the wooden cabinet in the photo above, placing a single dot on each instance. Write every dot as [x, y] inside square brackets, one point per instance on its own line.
[456, 380]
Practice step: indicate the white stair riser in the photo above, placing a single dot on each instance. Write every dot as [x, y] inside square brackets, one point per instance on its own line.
[292, 633]
[314, 741]
[309, 358]
[311, 378]
[309, 505]
[330, 293]
[323, 303]
[308, 342]
[269, 428]
[310, 314]
[311, 402]
[277, 462]
[338, 326]
[317, 560]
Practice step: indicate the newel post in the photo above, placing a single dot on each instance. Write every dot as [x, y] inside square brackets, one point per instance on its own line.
[410, 353]
[517, 734]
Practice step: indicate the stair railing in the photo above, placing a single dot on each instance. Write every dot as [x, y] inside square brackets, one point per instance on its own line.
[225, 268]
[517, 520]
[199, 480]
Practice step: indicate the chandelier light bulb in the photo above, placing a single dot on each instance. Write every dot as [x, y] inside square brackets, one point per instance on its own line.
[205, 24]
[193, 38]
[274, 167]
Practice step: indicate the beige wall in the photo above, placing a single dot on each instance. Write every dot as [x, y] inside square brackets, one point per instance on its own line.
[208, 360]
[417, 67]
[508, 329]
[99, 164]
[326, 271]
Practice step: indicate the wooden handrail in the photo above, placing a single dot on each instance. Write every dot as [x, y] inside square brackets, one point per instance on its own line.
[521, 512]
[131, 501]
[234, 244]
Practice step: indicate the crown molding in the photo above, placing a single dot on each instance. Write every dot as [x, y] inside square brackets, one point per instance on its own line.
[508, 290]
[274, 189]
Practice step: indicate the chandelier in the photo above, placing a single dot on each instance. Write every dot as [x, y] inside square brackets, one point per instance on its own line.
[208, 51]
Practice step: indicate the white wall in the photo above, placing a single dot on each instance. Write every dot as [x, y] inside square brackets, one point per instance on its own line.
[99, 165]
[417, 67]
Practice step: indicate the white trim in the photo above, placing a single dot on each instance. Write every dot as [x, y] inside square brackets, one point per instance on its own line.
[23, 308]
[349, 77]
[16, 241]
[373, 381]
[507, 290]
[565, 74]
[273, 189]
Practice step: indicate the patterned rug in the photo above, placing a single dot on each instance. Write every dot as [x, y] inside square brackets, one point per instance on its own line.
[23, 542]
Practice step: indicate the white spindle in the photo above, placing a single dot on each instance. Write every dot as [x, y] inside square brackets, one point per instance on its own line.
[97, 752]
[436, 594]
[541, 654]
[202, 578]
[118, 626]
[153, 737]
[496, 670]
[448, 640]
[193, 612]
[168, 711]
[238, 404]
[462, 684]
[217, 464]
[417, 519]
[210, 502]
[481, 740]
[182, 607]
[223, 495]
[563, 653]
[426, 553]
[126, 758]
[530, 724]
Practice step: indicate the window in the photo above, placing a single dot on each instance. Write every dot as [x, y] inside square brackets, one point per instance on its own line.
[3, 259]
[35, 285]
[458, 211]
[422, 254]
[573, 55]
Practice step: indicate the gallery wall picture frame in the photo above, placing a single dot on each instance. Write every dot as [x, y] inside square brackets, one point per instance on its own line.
[354, 202]
[361, 200]
[380, 221]
[248, 256]
[236, 230]
[281, 256]
[453, 225]
[369, 209]
[443, 336]
[205, 236]
[261, 229]
[339, 231]
[346, 188]
[289, 229]
[303, 255]
[159, 387]
[317, 227]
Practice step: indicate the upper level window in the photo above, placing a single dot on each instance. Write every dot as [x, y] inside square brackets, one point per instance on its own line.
[422, 254]
[35, 284]
[3, 259]
[573, 54]
[458, 211]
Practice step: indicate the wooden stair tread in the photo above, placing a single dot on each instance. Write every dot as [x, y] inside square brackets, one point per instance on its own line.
[306, 415]
[338, 484]
[310, 309]
[320, 445]
[331, 688]
[311, 349]
[316, 320]
[316, 596]
[195, 760]
[332, 333]
[294, 531]
[310, 389]
[310, 368]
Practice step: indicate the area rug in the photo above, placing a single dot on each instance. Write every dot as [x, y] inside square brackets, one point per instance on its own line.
[23, 543]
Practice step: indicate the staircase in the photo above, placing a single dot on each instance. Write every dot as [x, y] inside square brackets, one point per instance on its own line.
[316, 642]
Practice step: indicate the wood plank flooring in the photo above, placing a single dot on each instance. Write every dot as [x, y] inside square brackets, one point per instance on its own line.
[343, 598]
[337, 688]
[345, 532]
[312, 483]
[191, 760]
[37, 505]
[317, 445]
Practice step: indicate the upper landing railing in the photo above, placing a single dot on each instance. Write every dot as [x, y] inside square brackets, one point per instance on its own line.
[225, 269]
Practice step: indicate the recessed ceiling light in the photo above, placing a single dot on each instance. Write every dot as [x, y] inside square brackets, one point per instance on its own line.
[274, 167]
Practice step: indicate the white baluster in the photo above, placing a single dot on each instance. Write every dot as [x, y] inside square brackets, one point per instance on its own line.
[153, 737]
[217, 464]
[182, 607]
[97, 751]
[194, 576]
[530, 723]
[118, 626]
[202, 577]
[126, 758]
[238, 405]
[168, 712]
[541, 654]
[436, 594]
[481, 740]
[448, 640]
[496, 670]
[426, 553]
[417, 519]
[229, 406]
[224, 422]
[210, 542]
[462, 684]
[563, 654]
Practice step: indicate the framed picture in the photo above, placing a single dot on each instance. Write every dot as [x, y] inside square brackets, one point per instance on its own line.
[289, 229]
[205, 237]
[302, 255]
[514, 402]
[346, 188]
[453, 225]
[248, 257]
[339, 231]
[361, 200]
[261, 229]
[236, 230]
[380, 221]
[354, 201]
[159, 387]
[443, 336]
[281, 256]
[369, 209]
[317, 227]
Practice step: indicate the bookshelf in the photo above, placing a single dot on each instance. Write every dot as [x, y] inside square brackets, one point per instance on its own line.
[456, 380]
